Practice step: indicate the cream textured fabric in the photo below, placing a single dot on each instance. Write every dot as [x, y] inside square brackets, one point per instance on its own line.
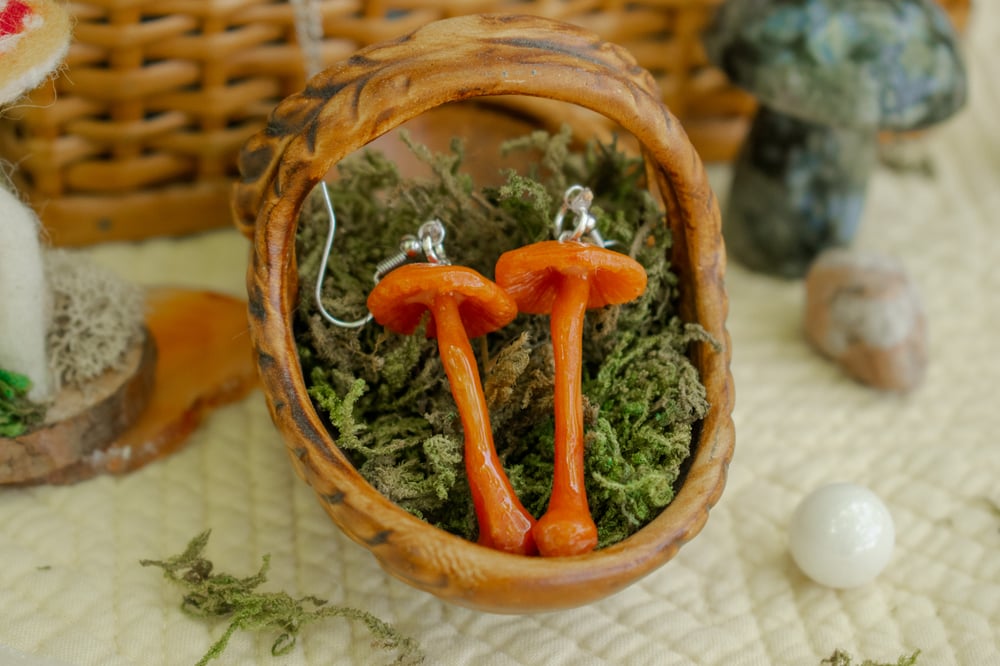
[731, 597]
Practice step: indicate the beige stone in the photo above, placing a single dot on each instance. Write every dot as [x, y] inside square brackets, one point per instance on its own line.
[863, 311]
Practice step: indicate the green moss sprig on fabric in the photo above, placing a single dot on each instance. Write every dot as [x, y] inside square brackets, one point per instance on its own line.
[211, 594]
[386, 397]
[842, 658]
[18, 414]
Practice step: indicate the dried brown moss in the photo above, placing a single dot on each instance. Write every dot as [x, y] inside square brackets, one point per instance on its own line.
[386, 396]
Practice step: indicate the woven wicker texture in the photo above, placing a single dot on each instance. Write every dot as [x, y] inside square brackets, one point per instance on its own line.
[138, 136]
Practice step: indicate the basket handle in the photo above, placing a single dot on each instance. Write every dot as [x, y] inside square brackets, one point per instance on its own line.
[382, 86]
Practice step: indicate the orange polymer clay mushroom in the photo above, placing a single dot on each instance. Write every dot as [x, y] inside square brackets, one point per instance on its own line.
[564, 278]
[462, 305]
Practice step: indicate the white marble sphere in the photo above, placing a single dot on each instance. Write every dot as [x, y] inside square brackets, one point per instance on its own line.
[842, 535]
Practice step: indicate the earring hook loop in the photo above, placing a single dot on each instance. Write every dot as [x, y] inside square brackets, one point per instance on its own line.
[429, 241]
[430, 237]
[577, 200]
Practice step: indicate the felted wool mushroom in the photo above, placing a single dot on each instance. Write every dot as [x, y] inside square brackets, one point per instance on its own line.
[829, 75]
[78, 354]
[34, 37]
[24, 299]
[63, 320]
[564, 279]
[462, 304]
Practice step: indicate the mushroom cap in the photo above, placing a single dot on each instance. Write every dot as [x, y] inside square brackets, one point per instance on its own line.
[849, 63]
[533, 274]
[401, 298]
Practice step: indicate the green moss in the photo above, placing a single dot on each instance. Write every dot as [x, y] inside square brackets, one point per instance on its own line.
[18, 414]
[386, 397]
[212, 594]
[841, 658]
[648, 399]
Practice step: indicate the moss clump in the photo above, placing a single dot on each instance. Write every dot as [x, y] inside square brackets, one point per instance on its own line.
[18, 414]
[386, 396]
[211, 594]
[841, 658]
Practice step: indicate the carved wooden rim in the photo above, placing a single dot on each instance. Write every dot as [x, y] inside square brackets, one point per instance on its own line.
[378, 89]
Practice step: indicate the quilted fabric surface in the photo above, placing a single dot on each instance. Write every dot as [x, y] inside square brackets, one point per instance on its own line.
[72, 591]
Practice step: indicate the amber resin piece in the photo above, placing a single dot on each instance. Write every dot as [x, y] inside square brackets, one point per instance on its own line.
[196, 357]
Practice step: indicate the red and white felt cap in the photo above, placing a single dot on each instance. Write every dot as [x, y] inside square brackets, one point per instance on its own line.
[34, 37]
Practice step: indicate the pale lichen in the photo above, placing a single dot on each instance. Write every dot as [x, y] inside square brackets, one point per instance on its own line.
[96, 317]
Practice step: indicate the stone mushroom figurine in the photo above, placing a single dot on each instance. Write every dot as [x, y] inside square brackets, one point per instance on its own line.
[829, 75]
[34, 37]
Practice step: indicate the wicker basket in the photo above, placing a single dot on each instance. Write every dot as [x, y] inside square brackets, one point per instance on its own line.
[138, 137]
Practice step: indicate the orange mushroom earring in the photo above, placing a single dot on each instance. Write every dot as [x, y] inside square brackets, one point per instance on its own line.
[564, 278]
[461, 304]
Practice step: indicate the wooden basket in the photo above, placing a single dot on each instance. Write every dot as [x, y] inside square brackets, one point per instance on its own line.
[360, 99]
[139, 135]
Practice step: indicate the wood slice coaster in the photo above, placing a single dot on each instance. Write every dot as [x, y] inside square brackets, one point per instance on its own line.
[198, 357]
[83, 420]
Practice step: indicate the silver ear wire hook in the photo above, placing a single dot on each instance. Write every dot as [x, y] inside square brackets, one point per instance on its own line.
[430, 237]
[577, 200]
[327, 250]
[409, 248]
[309, 31]
[428, 242]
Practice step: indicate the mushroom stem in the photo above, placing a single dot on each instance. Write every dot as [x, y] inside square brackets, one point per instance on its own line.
[567, 527]
[504, 523]
[798, 189]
